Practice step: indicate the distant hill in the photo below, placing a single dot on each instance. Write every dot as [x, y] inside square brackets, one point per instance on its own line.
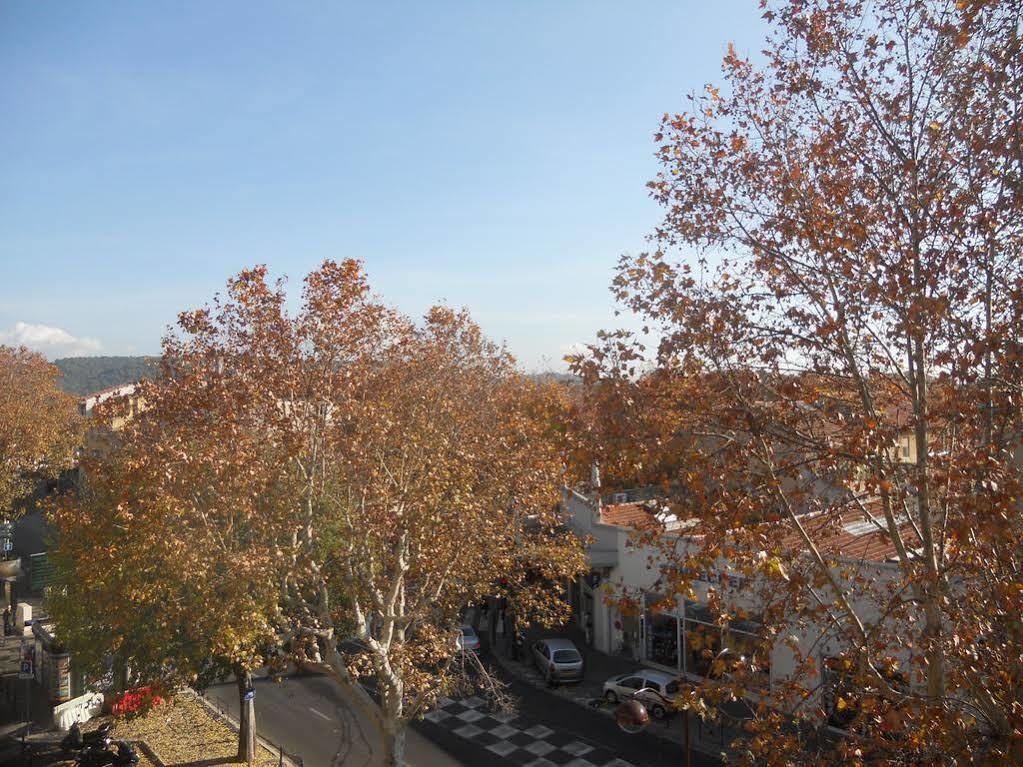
[567, 378]
[84, 375]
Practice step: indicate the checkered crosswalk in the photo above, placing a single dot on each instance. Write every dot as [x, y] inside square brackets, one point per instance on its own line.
[517, 739]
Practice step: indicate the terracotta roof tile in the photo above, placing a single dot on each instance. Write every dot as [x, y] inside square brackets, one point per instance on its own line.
[632, 515]
[850, 535]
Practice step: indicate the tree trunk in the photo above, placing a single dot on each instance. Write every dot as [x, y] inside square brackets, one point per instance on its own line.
[246, 717]
[120, 673]
[395, 754]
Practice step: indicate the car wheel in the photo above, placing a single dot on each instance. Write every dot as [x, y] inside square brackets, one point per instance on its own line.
[658, 712]
[610, 696]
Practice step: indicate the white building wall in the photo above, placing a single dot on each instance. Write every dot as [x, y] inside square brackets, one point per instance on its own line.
[636, 571]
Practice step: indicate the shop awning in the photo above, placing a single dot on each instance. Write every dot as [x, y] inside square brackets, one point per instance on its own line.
[603, 558]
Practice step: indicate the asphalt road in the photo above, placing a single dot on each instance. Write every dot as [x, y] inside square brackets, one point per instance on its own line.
[308, 716]
[568, 717]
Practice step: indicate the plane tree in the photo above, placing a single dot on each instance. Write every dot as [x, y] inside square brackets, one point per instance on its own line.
[337, 484]
[835, 293]
[39, 425]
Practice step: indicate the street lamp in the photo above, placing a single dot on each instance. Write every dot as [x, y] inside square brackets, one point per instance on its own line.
[632, 716]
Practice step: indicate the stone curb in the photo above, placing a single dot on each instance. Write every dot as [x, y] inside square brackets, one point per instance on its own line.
[150, 753]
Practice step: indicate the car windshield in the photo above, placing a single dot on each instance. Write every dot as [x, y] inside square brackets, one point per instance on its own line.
[468, 631]
[566, 656]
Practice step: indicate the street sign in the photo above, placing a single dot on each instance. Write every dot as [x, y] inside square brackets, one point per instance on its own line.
[25, 672]
[249, 694]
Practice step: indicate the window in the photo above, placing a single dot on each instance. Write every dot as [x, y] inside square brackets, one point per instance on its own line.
[653, 684]
[662, 640]
[566, 656]
[840, 705]
[703, 640]
[632, 682]
[744, 640]
[841, 694]
[658, 684]
[661, 631]
[703, 643]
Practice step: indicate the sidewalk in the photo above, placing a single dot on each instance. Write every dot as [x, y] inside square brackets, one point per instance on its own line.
[707, 737]
[13, 693]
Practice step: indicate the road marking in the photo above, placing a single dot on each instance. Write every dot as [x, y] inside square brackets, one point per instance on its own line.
[320, 714]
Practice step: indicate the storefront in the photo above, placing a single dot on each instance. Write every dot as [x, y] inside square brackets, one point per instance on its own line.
[661, 632]
[688, 644]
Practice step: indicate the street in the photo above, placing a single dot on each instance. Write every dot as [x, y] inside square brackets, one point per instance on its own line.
[307, 716]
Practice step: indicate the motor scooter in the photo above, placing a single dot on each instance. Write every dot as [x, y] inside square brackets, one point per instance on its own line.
[105, 756]
[75, 741]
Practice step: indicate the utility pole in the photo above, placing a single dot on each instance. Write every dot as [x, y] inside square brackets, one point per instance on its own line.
[689, 750]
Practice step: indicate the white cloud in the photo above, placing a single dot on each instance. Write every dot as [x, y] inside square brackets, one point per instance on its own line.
[50, 341]
[575, 348]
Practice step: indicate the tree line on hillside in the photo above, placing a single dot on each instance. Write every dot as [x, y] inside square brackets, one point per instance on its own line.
[85, 375]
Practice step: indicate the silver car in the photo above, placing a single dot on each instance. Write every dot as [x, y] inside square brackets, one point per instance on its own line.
[468, 640]
[658, 690]
[558, 660]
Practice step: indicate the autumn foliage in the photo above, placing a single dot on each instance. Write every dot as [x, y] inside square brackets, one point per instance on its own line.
[39, 425]
[836, 291]
[298, 480]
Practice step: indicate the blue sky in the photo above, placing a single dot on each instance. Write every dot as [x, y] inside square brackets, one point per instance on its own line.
[491, 155]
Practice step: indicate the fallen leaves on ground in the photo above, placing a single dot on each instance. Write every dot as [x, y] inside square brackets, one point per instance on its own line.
[183, 731]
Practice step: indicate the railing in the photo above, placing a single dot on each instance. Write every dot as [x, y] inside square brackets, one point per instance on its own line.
[721, 730]
[284, 757]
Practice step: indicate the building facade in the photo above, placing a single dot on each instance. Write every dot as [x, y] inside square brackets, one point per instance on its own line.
[620, 602]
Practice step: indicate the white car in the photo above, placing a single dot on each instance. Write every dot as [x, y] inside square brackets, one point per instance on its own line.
[659, 689]
[468, 640]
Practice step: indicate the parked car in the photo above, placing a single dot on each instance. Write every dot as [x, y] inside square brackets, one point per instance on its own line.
[558, 660]
[468, 640]
[659, 688]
